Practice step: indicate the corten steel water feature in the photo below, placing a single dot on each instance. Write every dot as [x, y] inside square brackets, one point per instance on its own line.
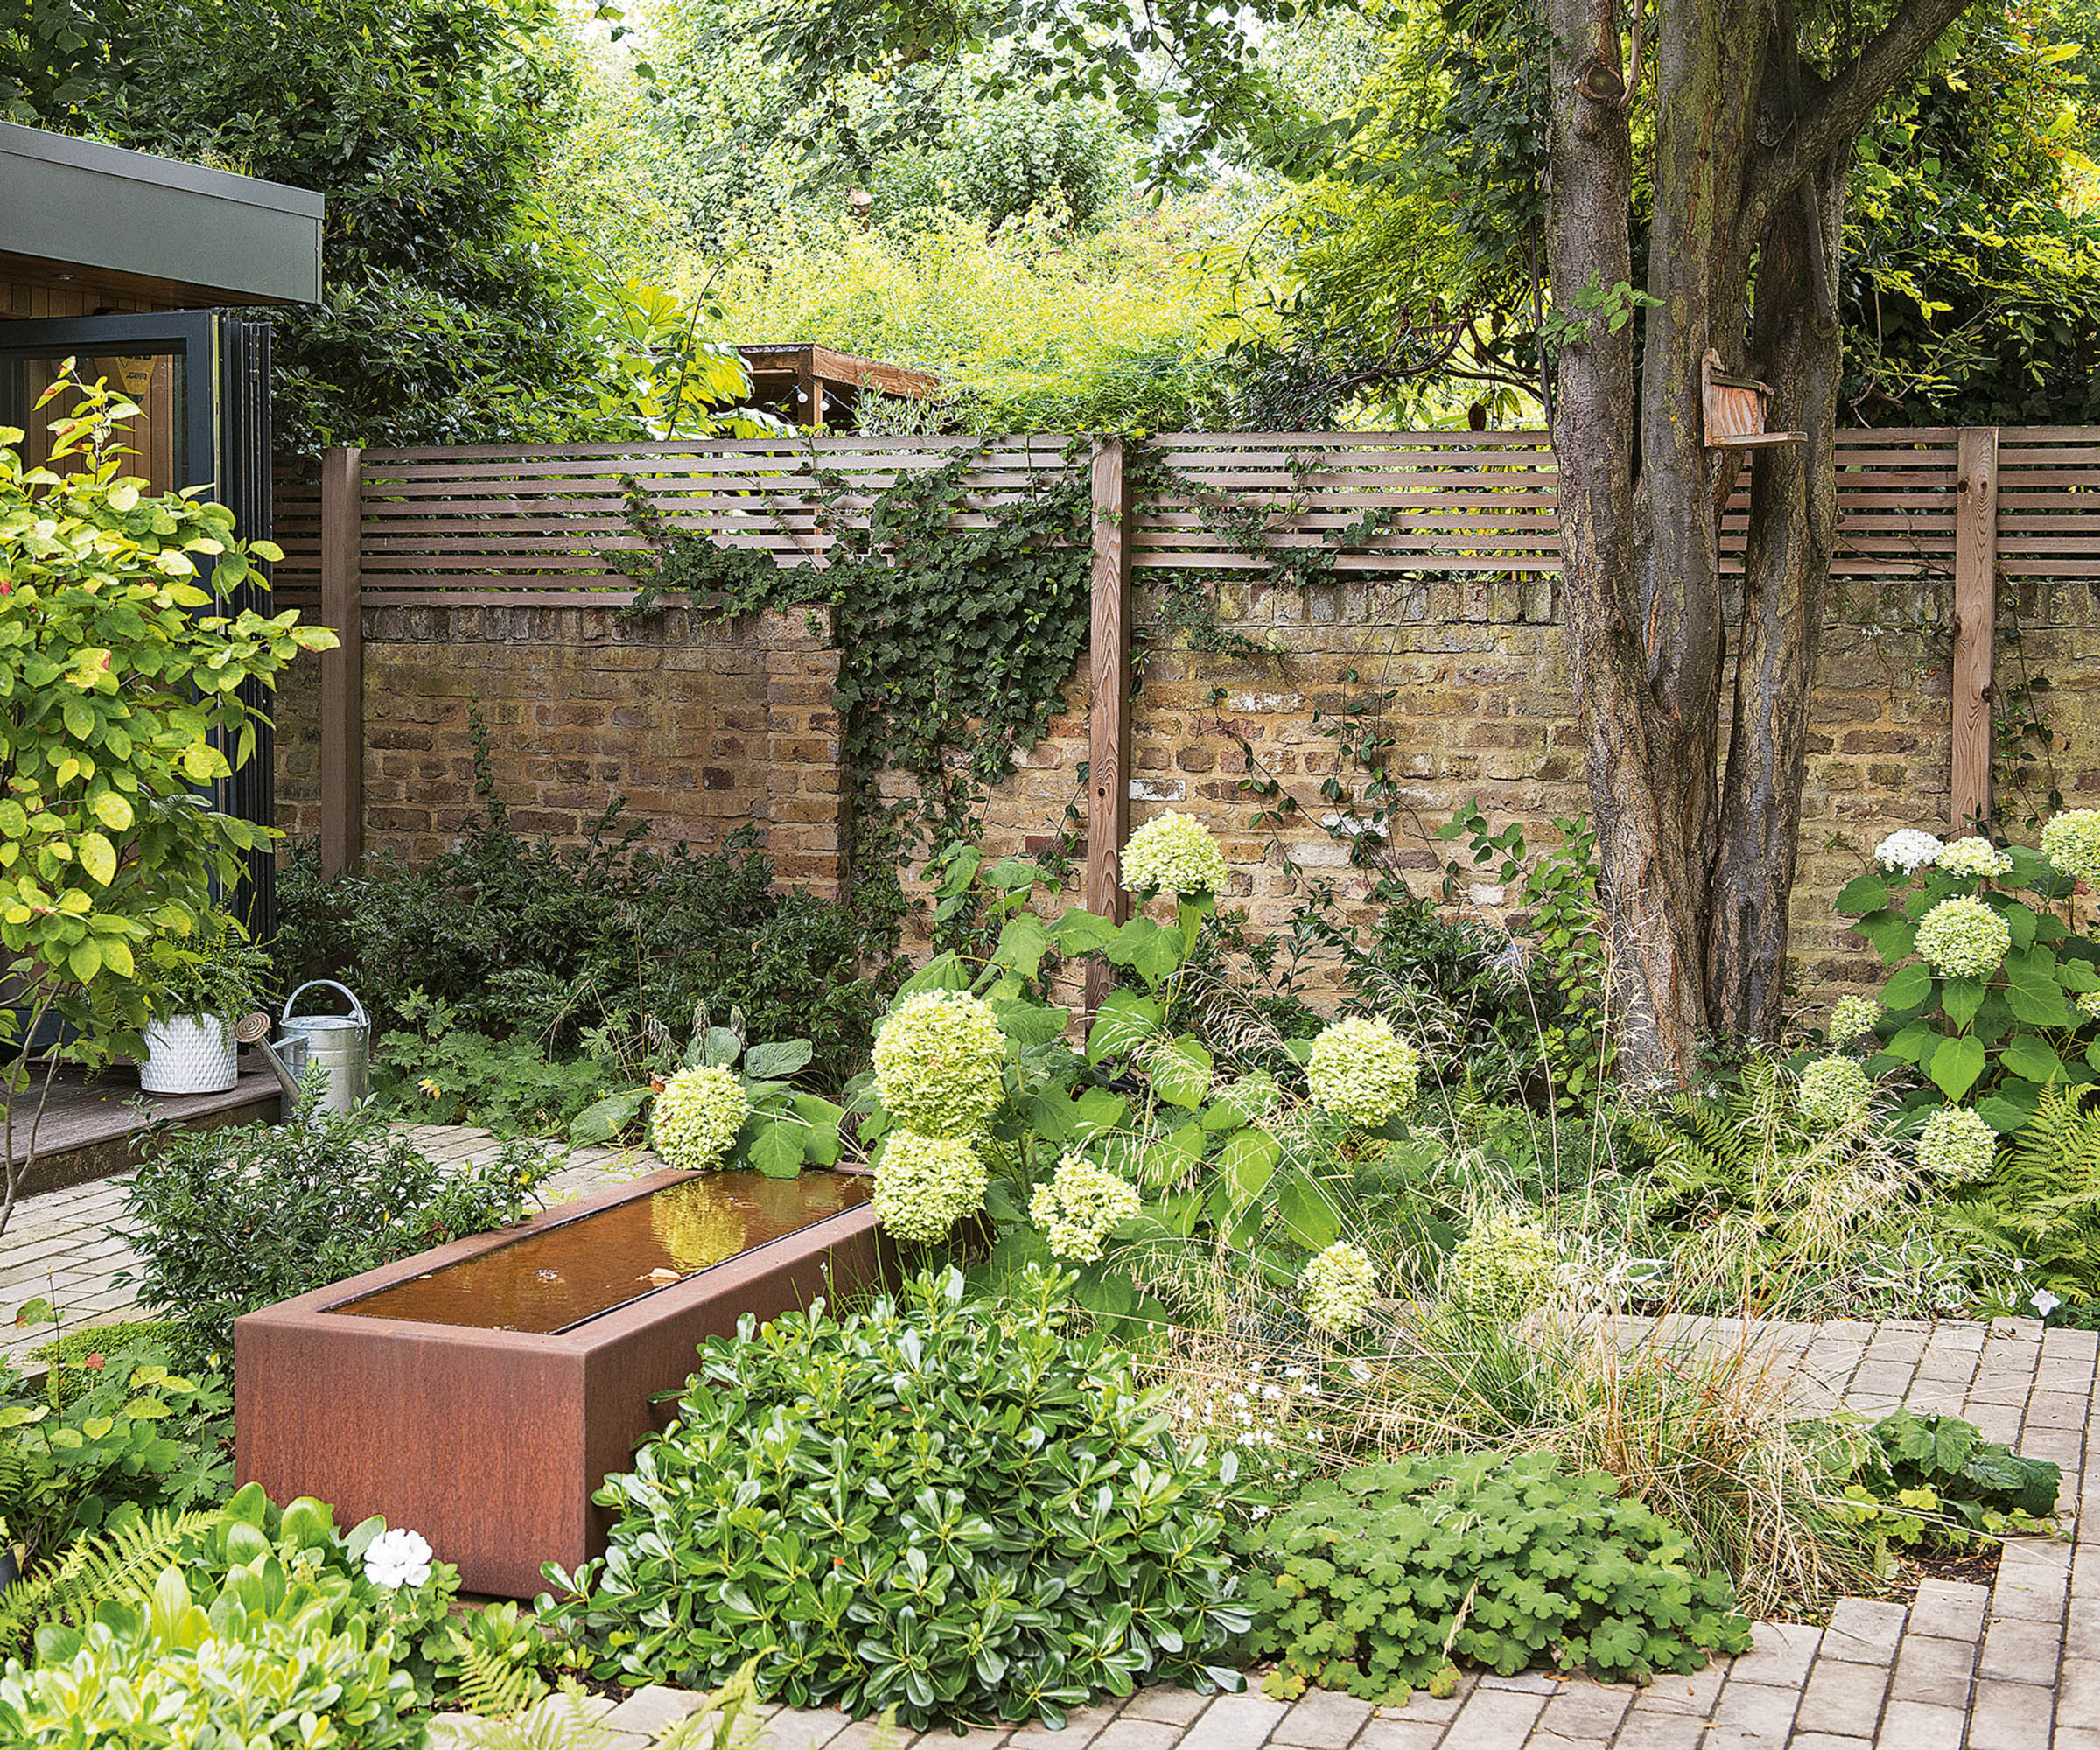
[479, 1393]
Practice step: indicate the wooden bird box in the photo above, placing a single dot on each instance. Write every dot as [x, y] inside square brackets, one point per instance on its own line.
[1735, 410]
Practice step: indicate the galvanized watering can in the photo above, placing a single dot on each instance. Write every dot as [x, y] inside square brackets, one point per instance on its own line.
[341, 1043]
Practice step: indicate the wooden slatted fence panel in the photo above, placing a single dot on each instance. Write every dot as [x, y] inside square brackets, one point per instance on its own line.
[543, 525]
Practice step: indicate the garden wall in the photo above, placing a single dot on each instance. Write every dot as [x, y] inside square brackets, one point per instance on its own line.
[492, 577]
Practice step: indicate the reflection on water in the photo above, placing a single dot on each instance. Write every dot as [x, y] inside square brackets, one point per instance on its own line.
[561, 1276]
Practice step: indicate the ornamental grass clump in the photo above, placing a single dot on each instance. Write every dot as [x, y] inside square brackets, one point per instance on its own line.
[1174, 855]
[696, 1117]
[1362, 1071]
[1962, 938]
[1080, 1206]
[966, 1511]
[925, 1185]
[940, 1058]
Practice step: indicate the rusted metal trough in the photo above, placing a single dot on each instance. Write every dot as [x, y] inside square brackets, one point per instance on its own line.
[480, 1392]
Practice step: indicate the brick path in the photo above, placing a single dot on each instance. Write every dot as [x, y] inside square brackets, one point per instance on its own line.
[2015, 1666]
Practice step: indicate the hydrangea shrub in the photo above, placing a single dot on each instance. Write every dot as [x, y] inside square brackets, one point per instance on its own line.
[1362, 1071]
[939, 1063]
[1337, 1286]
[1853, 1018]
[1962, 938]
[2071, 841]
[696, 1117]
[1080, 1206]
[925, 1185]
[1834, 1090]
[1174, 855]
[1956, 1144]
[1503, 1266]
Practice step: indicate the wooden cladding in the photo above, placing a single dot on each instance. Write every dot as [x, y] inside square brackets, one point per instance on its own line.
[544, 525]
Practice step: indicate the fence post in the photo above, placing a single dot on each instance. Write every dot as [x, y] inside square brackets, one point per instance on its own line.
[1975, 621]
[342, 669]
[1108, 707]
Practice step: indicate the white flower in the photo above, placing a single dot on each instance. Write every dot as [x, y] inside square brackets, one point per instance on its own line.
[1956, 1144]
[2071, 841]
[1852, 1015]
[1962, 938]
[1362, 1071]
[1908, 850]
[2043, 1302]
[397, 1558]
[1973, 856]
[1079, 1206]
[939, 1063]
[1834, 1090]
[1338, 1287]
[1173, 854]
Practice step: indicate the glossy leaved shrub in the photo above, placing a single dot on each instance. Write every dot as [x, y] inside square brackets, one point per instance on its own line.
[957, 1508]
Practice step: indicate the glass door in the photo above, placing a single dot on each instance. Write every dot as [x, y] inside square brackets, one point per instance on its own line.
[201, 380]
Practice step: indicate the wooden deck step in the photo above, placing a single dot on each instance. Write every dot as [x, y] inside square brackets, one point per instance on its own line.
[88, 1125]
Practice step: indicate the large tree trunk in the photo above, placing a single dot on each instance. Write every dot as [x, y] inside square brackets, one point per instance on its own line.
[1697, 864]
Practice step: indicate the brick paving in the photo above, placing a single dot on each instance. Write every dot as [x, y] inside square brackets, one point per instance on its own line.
[2013, 1666]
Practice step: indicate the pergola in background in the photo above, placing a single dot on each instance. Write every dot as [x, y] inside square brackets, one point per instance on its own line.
[814, 386]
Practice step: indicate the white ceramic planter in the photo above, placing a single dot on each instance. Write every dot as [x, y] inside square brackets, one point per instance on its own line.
[190, 1054]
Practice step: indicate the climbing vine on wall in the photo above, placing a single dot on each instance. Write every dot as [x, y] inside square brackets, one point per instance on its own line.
[958, 623]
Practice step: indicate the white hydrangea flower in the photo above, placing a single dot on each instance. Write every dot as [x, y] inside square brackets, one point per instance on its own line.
[696, 1117]
[1080, 1206]
[1973, 856]
[1956, 1144]
[1909, 850]
[1851, 1017]
[2089, 1005]
[1834, 1090]
[939, 1063]
[397, 1558]
[1503, 1267]
[1962, 938]
[1337, 1287]
[925, 1185]
[1362, 1071]
[2071, 841]
[1173, 854]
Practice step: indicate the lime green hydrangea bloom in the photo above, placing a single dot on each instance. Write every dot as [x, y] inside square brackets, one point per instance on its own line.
[1173, 854]
[696, 1117]
[1973, 856]
[1362, 1071]
[1962, 938]
[1337, 1287]
[925, 1185]
[1502, 1268]
[1955, 1143]
[1851, 1017]
[2071, 841]
[1834, 1090]
[939, 1063]
[1079, 1206]
[2089, 1005]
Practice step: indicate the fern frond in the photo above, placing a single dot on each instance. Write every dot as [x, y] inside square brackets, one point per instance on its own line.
[121, 1563]
[496, 1681]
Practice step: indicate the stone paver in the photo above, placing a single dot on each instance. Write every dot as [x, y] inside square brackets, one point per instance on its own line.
[2014, 1666]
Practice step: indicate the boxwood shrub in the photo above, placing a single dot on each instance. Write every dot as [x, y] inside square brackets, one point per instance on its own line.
[1376, 1581]
[958, 1508]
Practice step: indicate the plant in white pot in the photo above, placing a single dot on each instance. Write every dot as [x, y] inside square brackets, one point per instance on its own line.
[203, 983]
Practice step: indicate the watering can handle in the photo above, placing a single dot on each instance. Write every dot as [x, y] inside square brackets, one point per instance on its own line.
[357, 1009]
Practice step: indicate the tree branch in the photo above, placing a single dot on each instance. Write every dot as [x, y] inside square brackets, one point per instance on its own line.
[1846, 104]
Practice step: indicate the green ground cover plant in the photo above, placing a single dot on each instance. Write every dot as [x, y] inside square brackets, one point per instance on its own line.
[229, 1220]
[961, 1509]
[1380, 1579]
